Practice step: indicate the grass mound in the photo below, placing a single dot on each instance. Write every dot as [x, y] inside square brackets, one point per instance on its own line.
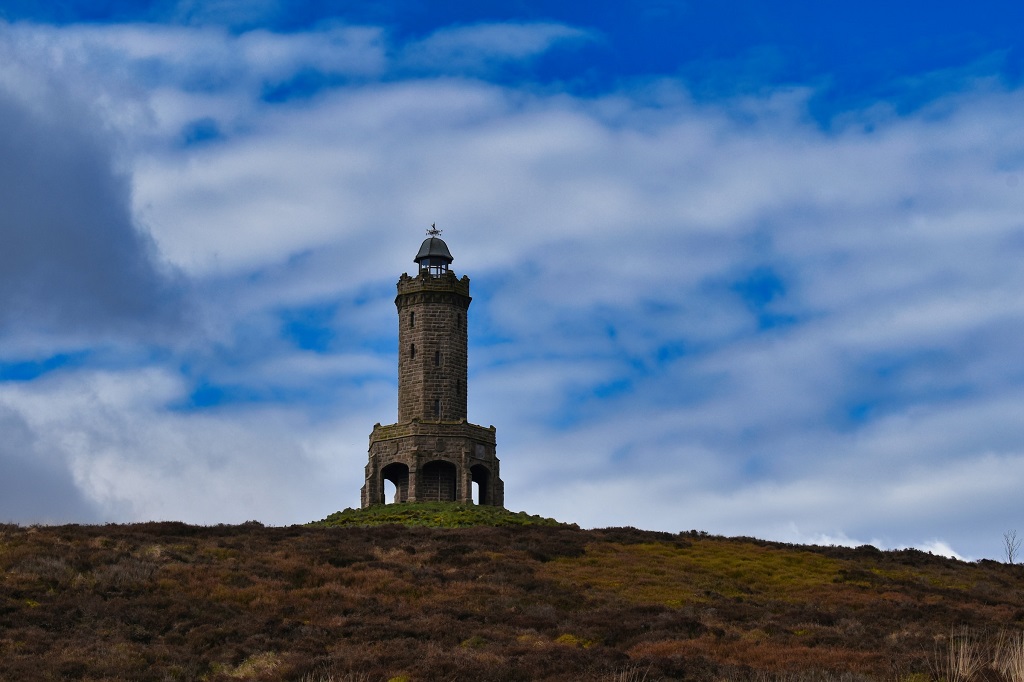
[434, 515]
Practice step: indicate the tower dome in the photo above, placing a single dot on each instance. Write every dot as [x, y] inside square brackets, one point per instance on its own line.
[434, 256]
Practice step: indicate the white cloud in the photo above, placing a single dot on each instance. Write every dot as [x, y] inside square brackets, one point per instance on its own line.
[939, 547]
[135, 459]
[37, 485]
[207, 58]
[479, 48]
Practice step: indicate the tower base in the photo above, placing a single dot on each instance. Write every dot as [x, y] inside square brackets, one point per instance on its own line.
[433, 461]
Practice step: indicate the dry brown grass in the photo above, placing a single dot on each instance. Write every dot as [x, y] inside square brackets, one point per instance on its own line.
[1009, 655]
[960, 657]
[176, 602]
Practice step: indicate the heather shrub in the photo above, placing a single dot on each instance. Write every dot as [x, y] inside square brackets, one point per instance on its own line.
[167, 601]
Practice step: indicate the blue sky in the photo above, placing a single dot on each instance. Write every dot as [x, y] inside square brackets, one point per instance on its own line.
[745, 268]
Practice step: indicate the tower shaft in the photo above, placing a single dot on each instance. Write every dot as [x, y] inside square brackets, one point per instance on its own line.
[432, 347]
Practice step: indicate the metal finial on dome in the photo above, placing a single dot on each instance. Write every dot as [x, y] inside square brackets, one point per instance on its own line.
[434, 231]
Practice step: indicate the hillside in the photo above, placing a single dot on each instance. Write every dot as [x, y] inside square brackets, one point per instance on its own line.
[521, 601]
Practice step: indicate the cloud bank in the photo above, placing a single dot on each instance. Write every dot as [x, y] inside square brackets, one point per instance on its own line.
[687, 314]
[71, 258]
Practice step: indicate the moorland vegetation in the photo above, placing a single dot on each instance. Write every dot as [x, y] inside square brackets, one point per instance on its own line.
[448, 592]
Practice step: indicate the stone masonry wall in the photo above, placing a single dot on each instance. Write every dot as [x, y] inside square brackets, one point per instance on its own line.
[432, 347]
[419, 447]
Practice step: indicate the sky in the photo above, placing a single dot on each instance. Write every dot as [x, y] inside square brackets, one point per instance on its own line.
[750, 268]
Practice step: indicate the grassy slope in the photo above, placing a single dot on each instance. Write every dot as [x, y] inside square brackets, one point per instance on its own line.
[521, 601]
[433, 514]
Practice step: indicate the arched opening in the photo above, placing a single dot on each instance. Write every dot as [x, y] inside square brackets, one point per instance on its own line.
[398, 475]
[481, 484]
[437, 482]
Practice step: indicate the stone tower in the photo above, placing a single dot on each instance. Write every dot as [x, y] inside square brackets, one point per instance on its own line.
[433, 453]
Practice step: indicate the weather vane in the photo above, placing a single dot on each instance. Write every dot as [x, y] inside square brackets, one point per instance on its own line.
[434, 231]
